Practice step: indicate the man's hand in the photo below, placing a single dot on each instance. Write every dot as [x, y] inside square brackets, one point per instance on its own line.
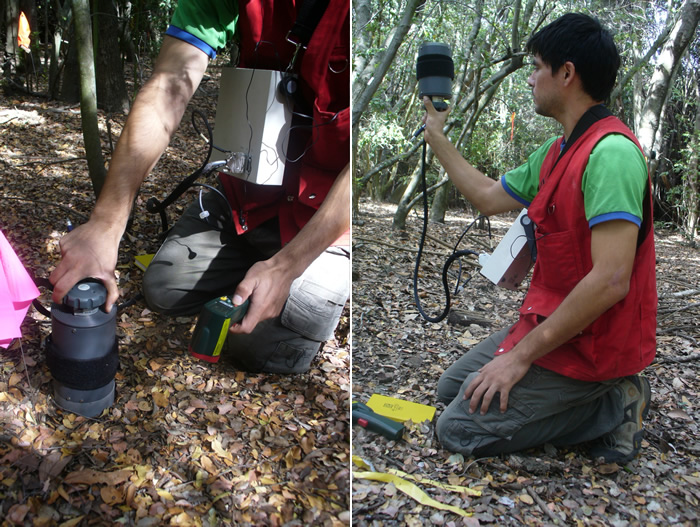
[498, 376]
[267, 285]
[433, 120]
[87, 252]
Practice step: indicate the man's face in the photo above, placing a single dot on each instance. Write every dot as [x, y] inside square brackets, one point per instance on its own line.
[545, 88]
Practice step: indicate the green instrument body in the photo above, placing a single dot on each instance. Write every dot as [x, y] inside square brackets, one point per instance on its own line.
[365, 417]
[212, 327]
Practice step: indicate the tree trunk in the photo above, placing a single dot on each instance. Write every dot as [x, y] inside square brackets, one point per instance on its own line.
[691, 186]
[62, 27]
[111, 84]
[126, 41]
[70, 79]
[681, 35]
[88, 94]
[640, 62]
[440, 202]
[370, 75]
[405, 205]
[11, 18]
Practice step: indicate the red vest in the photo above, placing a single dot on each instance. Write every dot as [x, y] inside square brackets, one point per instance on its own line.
[622, 341]
[324, 149]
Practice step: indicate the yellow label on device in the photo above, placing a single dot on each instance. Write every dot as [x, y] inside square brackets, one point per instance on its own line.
[142, 261]
[400, 410]
[222, 337]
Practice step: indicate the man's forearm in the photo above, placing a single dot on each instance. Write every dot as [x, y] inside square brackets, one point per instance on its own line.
[484, 193]
[586, 302]
[268, 282]
[141, 144]
[154, 117]
[471, 183]
[330, 221]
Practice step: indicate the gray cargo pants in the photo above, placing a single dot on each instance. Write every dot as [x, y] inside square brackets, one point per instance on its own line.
[205, 258]
[543, 407]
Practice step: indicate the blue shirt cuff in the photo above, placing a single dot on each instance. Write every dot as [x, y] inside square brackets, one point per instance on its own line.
[615, 216]
[513, 194]
[181, 34]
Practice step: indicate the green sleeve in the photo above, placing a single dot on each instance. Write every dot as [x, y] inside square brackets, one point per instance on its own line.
[615, 181]
[523, 182]
[211, 21]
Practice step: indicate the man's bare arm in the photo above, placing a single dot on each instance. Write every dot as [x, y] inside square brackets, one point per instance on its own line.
[91, 249]
[486, 194]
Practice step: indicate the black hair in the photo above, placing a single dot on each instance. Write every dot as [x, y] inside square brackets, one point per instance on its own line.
[582, 40]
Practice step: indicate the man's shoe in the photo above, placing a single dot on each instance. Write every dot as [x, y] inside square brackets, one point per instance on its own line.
[623, 444]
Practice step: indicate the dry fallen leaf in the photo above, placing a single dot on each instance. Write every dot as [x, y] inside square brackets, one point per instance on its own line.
[608, 468]
[112, 495]
[679, 414]
[527, 499]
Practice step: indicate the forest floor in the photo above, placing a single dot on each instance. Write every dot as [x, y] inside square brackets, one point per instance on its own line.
[396, 353]
[186, 442]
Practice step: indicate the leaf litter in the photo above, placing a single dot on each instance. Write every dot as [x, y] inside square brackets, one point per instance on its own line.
[186, 442]
[398, 354]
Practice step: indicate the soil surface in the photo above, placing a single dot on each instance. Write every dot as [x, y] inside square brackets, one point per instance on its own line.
[399, 354]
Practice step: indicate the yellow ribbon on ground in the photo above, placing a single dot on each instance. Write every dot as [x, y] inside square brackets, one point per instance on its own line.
[445, 486]
[414, 491]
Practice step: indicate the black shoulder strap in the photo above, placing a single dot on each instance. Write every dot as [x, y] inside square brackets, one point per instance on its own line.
[308, 18]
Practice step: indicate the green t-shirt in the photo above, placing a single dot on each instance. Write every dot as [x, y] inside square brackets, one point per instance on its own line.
[206, 24]
[613, 183]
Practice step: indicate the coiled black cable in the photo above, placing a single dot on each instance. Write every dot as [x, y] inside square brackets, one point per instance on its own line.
[153, 205]
[454, 256]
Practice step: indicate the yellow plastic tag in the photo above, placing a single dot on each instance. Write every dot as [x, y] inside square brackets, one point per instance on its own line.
[400, 410]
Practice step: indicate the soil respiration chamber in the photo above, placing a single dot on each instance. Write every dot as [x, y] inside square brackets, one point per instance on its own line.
[82, 353]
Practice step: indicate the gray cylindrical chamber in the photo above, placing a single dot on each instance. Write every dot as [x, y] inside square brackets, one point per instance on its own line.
[82, 352]
[435, 70]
